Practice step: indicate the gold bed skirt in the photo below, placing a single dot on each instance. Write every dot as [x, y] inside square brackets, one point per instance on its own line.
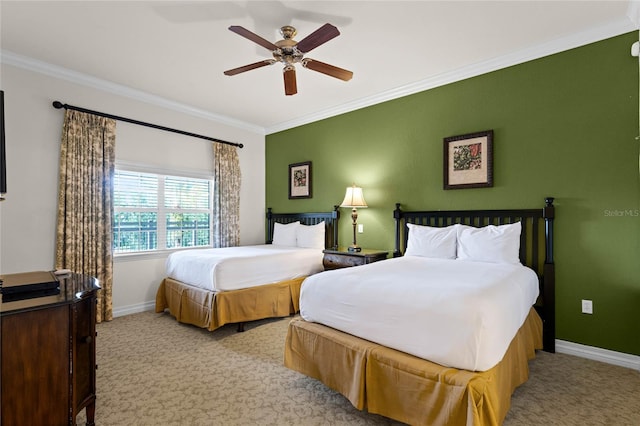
[406, 388]
[211, 310]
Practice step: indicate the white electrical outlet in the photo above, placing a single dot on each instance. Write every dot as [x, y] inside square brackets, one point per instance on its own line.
[360, 228]
[587, 306]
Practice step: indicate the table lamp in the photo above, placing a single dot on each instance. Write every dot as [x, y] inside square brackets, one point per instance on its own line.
[353, 199]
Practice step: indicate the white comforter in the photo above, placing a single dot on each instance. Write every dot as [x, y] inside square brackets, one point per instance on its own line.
[455, 313]
[233, 268]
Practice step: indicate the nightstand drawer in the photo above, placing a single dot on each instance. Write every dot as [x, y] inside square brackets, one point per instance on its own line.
[343, 258]
[335, 261]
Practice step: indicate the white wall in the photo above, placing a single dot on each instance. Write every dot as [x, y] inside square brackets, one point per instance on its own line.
[33, 130]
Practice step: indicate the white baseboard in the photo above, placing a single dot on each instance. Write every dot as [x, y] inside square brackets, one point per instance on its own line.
[134, 309]
[598, 354]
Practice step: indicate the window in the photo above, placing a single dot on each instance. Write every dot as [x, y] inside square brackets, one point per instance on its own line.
[158, 212]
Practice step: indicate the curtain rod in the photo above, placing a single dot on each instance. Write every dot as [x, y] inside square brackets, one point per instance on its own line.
[58, 105]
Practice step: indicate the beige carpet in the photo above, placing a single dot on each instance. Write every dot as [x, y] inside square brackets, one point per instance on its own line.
[154, 371]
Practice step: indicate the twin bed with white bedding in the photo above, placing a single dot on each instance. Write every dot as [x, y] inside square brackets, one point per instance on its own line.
[212, 287]
[443, 334]
[235, 268]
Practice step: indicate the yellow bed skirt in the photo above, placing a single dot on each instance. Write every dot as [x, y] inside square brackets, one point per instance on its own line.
[406, 388]
[211, 310]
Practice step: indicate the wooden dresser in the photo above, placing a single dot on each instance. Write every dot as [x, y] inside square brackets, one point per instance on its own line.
[49, 353]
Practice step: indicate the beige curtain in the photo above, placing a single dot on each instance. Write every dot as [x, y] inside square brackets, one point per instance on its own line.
[226, 196]
[84, 238]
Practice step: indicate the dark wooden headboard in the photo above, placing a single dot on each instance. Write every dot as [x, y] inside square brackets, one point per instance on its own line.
[330, 222]
[536, 245]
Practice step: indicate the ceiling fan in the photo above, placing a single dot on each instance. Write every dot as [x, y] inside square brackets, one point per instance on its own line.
[290, 52]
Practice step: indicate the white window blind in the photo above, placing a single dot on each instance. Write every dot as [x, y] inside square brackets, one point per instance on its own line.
[188, 206]
[133, 189]
[158, 212]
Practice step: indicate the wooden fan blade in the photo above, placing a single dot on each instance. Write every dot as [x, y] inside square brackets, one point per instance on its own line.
[290, 86]
[318, 37]
[249, 67]
[327, 69]
[253, 37]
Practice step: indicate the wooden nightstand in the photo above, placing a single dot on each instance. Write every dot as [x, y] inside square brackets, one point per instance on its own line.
[342, 258]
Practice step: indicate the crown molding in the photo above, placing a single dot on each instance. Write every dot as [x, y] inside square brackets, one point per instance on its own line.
[559, 45]
[30, 64]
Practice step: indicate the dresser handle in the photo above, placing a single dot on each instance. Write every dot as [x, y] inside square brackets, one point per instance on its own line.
[86, 339]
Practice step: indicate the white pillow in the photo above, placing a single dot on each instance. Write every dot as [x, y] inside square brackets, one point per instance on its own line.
[285, 234]
[428, 241]
[495, 244]
[310, 236]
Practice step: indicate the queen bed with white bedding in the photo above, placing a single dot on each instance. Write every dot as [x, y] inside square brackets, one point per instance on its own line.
[456, 313]
[213, 287]
[443, 334]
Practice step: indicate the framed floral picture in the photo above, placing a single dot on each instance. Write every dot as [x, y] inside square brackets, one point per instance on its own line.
[468, 160]
[300, 180]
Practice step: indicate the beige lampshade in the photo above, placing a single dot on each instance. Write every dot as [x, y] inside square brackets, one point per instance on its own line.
[354, 198]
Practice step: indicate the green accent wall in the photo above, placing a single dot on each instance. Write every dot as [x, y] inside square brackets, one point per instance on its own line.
[564, 126]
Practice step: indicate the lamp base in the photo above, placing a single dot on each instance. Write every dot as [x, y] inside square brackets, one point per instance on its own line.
[354, 248]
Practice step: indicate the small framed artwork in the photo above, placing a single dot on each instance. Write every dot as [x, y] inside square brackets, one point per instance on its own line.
[468, 160]
[300, 180]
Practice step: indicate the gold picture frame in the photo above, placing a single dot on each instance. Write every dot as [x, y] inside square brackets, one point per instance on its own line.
[468, 160]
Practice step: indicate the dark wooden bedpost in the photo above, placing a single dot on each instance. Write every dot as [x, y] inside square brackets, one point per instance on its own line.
[549, 296]
[397, 215]
[336, 216]
[269, 226]
[549, 212]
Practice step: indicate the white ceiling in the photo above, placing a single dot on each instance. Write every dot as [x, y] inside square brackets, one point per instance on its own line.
[174, 53]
